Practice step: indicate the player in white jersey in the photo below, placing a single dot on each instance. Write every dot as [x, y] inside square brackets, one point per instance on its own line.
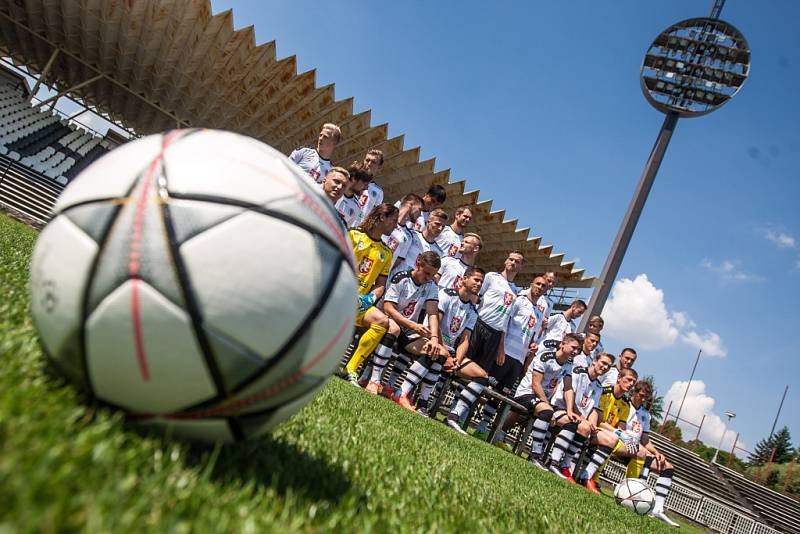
[595, 326]
[487, 347]
[452, 270]
[536, 388]
[422, 242]
[519, 343]
[457, 316]
[317, 162]
[373, 194]
[589, 347]
[637, 426]
[348, 206]
[431, 200]
[577, 402]
[560, 324]
[626, 360]
[451, 237]
[409, 295]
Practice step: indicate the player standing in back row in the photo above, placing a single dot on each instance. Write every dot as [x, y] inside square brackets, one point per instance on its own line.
[317, 162]
[373, 194]
[452, 270]
[451, 237]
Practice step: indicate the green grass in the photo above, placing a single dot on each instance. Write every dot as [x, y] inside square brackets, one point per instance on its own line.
[348, 461]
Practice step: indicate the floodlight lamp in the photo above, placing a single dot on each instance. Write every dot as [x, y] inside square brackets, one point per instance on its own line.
[711, 53]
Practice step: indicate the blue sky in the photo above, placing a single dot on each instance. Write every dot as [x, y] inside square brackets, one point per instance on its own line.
[539, 107]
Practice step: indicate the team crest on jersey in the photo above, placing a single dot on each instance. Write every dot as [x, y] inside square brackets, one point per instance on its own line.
[362, 200]
[457, 281]
[381, 256]
[553, 383]
[585, 400]
[541, 307]
[314, 174]
[453, 250]
[393, 244]
[637, 427]
[418, 227]
[531, 321]
[409, 309]
[508, 298]
[455, 324]
[366, 265]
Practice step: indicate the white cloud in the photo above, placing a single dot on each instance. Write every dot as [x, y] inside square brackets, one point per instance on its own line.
[709, 342]
[780, 239]
[697, 404]
[729, 271]
[636, 313]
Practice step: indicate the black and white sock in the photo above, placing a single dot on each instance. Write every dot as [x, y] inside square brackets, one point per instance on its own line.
[646, 469]
[562, 443]
[540, 427]
[663, 484]
[430, 380]
[416, 373]
[577, 444]
[598, 458]
[466, 398]
[401, 363]
[381, 356]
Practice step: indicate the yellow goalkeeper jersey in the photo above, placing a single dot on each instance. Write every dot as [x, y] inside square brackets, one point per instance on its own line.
[373, 259]
[613, 409]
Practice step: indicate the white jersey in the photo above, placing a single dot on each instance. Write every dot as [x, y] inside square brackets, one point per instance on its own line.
[408, 297]
[421, 222]
[417, 246]
[370, 197]
[557, 327]
[610, 378]
[638, 422]
[587, 391]
[552, 373]
[450, 242]
[523, 325]
[457, 316]
[451, 273]
[545, 305]
[597, 350]
[399, 241]
[497, 295]
[312, 163]
[350, 211]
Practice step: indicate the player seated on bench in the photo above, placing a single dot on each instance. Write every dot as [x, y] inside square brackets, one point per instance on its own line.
[457, 316]
[536, 388]
[577, 402]
[409, 295]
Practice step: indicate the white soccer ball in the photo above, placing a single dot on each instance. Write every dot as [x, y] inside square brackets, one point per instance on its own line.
[635, 495]
[196, 280]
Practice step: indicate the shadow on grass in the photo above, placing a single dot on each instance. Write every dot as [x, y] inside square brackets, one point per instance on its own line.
[272, 463]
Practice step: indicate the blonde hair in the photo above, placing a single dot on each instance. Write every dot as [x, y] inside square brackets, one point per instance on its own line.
[439, 214]
[476, 236]
[337, 132]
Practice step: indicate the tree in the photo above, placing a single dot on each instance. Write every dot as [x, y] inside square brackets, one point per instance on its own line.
[781, 441]
[673, 432]
[656, 407]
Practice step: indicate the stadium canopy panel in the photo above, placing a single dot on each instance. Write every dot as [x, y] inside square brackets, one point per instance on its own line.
[154, 65]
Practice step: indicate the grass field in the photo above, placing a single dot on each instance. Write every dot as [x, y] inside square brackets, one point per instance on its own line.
[348, 461]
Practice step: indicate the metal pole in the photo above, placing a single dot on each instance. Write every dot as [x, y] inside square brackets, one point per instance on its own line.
[43, 74]
[620, 246]
[722, 437]
[688, 384]
[666, 416]
[775, 422]
[53, 98]
[699, 428]
[733, 449]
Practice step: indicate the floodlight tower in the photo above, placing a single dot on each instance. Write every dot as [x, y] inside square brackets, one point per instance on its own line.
[691, 68]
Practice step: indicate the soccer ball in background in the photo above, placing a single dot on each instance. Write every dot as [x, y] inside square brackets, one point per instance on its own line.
[635, 495]
[197, 281]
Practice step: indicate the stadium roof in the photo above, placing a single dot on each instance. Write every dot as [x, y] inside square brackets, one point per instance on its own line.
[156, 65]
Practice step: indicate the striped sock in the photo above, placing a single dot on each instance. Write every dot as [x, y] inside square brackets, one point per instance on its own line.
[401, 363]
[429, 382]
[577, 444]
[646, 469]
[563, 442]
[414, 376]
[540, 426]
[466, 398]
[381, 356]
[663, 484]
[598, 458]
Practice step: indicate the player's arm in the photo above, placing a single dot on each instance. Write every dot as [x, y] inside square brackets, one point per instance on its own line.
[463, 346]
[536, 385]
[391, 310]
[379, 287]
[432, 311]
[569, 400]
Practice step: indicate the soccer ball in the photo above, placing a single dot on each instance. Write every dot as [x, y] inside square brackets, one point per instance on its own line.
[635, 495]
[196, 280]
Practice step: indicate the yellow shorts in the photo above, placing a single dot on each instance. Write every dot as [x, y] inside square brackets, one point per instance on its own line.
[360, 317]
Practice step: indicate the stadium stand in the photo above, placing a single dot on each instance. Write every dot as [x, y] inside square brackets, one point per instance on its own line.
[42, 141]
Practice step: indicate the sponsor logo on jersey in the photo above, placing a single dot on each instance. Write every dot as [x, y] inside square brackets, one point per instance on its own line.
[366, 265]
[453, 250]
[455, 324]
[408, 311]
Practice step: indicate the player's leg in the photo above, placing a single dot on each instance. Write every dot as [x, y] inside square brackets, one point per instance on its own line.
[663, 485]
[543, 414]
[416, 373]
[378, 323]
[505, 375]
[381, 357]
[563, 452]
[607, 442]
